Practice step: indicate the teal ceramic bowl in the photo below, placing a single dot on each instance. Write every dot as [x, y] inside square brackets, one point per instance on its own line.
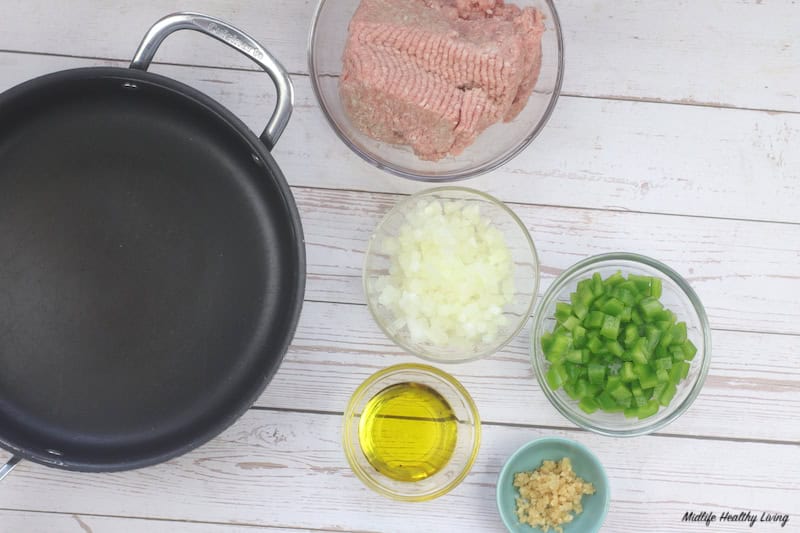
[584, 464]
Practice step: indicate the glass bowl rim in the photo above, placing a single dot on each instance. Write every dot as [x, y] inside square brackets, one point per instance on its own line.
[557, 287]
[352, 448]
[428, 177]
[484, 197]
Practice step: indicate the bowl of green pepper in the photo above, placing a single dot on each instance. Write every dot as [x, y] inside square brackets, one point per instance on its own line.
[621, 344]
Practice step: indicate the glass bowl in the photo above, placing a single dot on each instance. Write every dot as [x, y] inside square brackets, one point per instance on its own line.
[467, 440]
[377, 264]
[585, 465]
[677, 296]
[493, 148]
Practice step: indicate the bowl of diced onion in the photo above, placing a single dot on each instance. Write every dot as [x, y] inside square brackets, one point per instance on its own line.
[451, 274]
[621, 344]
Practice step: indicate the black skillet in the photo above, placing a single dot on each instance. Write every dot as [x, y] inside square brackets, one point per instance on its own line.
[152, 264]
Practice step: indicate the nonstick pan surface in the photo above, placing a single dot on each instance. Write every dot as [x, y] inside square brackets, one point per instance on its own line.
[151, 269]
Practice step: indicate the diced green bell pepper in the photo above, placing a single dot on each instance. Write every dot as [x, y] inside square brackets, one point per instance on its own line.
[655, 287]
[640, 353]
[647, 377]
[661, 351]
[558, 347]
[547, 342]
[593, 389]
[630, 335]
[573, 371]
[666, 337]
[563, 312]
[612, 381]
[574, 356]
[570, 389]
[597, 285]
[597, 373]
[595, 345]
[613, 307]
[679, 333]
[667, 394]
[571, 323]
[638, 401]
[642, 283]
[663, 363]
[665, 315]
[626, 296]
[606, 401]
[677, 353]
[580, 309]
[653, 335]
[647, 410]
[629, 286]
[626, 373]
[588, 405]
[556, 376]
[620, 392]
[594, 320]
[610, 328]
[579, 337]
[658, 389]
[614, 348]
[689, 350]
[614, 279]
[649, 307]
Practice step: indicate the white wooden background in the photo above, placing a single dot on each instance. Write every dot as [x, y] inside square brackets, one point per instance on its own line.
[678, 136]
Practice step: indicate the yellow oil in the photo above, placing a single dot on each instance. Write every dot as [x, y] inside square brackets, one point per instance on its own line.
[408, 432]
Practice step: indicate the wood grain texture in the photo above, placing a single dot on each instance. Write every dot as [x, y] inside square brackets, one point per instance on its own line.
[713, 52]
[645, 153]
[288, 470]
[752, 391]
[44, 522]
[598, 154]
[718, 53]
[745, 273]
[603, 154]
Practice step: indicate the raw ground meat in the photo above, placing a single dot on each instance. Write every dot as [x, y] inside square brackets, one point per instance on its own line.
[433, 74]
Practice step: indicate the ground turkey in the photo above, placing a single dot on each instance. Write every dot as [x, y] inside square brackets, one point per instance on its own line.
[433, 74]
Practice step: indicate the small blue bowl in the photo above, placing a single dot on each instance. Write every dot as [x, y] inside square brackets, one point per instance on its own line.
[584, 464]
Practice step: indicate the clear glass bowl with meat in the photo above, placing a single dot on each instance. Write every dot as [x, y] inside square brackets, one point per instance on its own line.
[436, 90]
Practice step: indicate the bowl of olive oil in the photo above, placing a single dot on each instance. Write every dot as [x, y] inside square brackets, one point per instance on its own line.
[411, 432]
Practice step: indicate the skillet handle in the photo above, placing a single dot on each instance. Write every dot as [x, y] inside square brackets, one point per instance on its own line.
[9, 466]
[237, 39]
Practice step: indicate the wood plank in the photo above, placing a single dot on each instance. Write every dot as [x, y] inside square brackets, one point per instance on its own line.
[744, 272]
[712, 52]
[44, 522]
[752, 390]
[684, 51]
[288, 470]
[595, 154]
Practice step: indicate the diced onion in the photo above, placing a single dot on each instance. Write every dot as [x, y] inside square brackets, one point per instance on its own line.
[450, 277]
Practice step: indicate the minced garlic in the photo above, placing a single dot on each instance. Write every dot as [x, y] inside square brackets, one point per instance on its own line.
[550, 494]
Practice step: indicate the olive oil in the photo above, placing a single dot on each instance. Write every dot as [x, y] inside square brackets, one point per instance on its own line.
[408, 432]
